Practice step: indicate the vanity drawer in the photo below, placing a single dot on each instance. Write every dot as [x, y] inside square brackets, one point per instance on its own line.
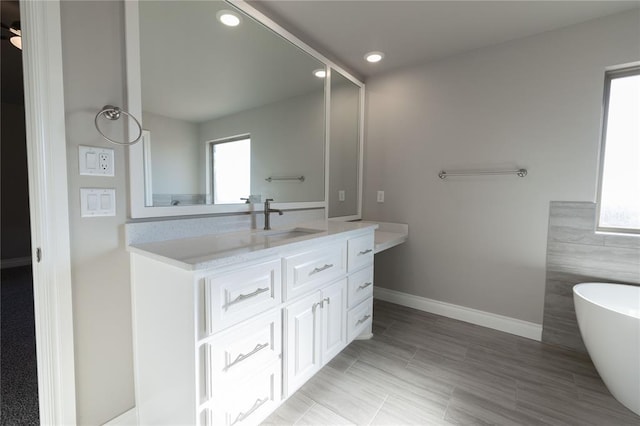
[359, 319]
[240, 352]
[250, 401]
[241, 294]
[361, 251]
[306, 271]
[360, 286]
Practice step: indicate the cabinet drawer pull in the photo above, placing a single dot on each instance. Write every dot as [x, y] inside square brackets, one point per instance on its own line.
[242, 297]
[242, 357]
[256, 405]
[365, 252]
[327, 299]
[365, 285]
[363, 319]
[322, 268]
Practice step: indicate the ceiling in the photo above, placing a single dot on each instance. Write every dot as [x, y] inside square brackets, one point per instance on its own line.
[412, 32]
[207, 70]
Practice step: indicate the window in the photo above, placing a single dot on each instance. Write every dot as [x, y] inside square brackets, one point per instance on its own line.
[231, 170]
[619, 186]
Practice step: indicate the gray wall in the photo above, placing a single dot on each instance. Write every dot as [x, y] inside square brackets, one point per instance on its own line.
[535, 103]
[93, 66]
[287, 139]
[577, 254]
[177, 155]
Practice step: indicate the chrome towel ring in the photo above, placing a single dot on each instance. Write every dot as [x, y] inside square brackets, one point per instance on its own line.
[113, 113]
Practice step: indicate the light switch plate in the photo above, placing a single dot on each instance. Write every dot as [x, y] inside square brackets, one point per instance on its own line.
[380, 197]
[341, 195]
[94, 161]
[97, 202]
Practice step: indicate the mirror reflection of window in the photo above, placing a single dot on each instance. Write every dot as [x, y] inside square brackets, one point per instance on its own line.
[231, 170]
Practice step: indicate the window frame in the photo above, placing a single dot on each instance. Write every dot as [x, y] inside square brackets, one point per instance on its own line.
[610, 75]
[210, 159]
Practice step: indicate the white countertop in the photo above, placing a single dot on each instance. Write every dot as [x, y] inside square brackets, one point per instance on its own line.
[389, 234]
[214, 250]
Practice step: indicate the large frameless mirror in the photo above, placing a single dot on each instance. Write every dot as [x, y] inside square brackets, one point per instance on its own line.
[233, 115]
[345, 147]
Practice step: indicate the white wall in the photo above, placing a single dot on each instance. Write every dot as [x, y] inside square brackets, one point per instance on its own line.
[177, 156]
[93, 66]
[534, 103]
[294, 147]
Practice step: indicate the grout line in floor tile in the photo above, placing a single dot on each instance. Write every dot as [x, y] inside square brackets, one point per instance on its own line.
[379, 408]
[305, 412]
[444, 414]
[351, 365]
[338, 414]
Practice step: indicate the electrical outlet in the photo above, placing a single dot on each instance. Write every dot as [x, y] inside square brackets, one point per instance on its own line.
[96, 161]
[105, 162]
[381, 196]
[341, 195]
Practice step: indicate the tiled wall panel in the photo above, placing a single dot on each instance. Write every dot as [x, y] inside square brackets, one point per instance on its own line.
[576, 254]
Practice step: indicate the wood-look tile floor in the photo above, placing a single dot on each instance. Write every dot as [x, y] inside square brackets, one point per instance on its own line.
[424, 369]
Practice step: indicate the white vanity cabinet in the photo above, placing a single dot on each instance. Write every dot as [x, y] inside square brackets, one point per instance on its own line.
[225, 343]
[315, 331]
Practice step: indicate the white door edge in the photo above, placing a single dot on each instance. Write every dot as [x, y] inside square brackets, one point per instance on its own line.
[49, 210]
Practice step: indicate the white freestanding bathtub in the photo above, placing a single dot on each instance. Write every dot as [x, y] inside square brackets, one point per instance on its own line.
[609, 321]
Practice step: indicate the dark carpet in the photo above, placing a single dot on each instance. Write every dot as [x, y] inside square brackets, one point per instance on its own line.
[18, 371]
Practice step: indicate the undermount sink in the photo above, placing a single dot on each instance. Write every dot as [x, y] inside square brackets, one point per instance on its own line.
[274, 236]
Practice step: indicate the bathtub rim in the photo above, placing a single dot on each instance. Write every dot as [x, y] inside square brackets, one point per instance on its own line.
[577, 293]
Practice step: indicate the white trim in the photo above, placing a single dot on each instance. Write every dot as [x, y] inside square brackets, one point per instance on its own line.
[146, 155]
[327, 136]
[510, 325]
[128, 418]
[49, 209]
[15, 262]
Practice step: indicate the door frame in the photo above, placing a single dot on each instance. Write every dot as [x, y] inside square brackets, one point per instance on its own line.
[49, 209]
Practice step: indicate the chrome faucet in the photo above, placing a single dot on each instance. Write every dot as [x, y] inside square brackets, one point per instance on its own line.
[267, 211]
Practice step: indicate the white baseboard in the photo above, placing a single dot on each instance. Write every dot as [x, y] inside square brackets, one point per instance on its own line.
[14, 262]
[128, 418]
[515, 326]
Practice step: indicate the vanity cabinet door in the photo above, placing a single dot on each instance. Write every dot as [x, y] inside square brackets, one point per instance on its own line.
[303, 323]
[334, 320]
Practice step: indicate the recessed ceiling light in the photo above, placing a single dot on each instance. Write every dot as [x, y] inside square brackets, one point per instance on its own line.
[228, 18]
[374, 57]
[320, 73]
